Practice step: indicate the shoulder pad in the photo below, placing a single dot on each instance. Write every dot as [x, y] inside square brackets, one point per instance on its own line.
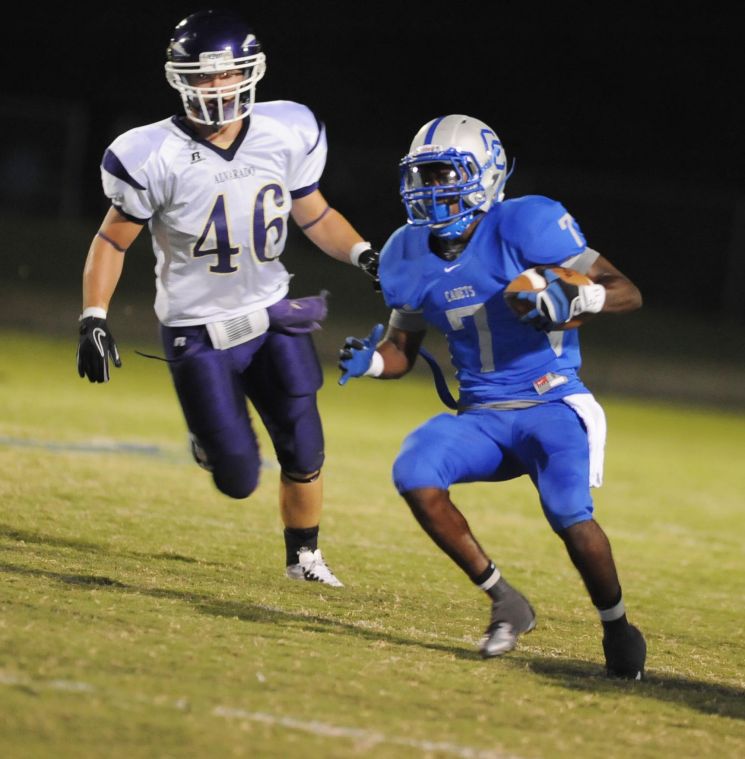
[129, 152]
[294, 116]
[400, 269]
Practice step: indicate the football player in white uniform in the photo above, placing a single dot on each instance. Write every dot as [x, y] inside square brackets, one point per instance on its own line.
[216, 187]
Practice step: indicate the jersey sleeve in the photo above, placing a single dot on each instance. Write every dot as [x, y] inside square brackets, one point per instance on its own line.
[408, 319]
[309, 149]
[124, 176]
[399, 272]
[543, 231]
[583, 262]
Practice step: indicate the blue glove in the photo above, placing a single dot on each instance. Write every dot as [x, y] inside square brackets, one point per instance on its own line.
[356, 355]
[552, 306]
[560, 302]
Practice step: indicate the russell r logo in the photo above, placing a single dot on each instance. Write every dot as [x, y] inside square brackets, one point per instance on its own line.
[196, 157]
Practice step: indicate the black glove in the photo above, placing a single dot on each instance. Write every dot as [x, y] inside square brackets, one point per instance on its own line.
[95, 346]
[368, 262]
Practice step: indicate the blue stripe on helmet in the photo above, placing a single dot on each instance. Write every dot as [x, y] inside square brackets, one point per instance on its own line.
[431, 131]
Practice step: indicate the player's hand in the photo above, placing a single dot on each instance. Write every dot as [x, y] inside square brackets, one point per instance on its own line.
[95, 345]
[560, 302]
[368, 261]
[356, 355]
[296, 316]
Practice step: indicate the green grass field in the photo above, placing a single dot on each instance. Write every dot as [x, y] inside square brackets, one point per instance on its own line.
[144, 614]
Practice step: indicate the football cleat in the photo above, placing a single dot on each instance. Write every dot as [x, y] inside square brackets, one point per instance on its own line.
[312, 567]
[625, 653]
[511, 616]
[199, 454]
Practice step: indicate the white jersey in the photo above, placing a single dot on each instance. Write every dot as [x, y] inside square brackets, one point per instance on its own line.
[218, 218]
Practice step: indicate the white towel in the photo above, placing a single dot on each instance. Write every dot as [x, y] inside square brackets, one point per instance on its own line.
[593, 416]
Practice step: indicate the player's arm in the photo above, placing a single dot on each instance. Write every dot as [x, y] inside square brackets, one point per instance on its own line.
[326, 228]
[389, 358]
[103, 268]
[105, 261]
[560, 302]
[621, 294]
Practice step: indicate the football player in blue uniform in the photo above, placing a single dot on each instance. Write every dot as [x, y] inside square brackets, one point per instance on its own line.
[522, 407]
[216, 187]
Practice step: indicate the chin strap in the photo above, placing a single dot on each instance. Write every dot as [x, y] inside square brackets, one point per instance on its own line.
[455, 228]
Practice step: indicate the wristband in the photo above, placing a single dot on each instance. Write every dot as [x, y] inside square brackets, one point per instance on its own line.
[377, 364]
[94, 311]
[356, 251]
[592, 298]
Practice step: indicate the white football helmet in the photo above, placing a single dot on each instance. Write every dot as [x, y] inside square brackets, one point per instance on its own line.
[453, 159]
[207, 44]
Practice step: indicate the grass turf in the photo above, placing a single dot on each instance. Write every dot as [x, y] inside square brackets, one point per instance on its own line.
[144, 614]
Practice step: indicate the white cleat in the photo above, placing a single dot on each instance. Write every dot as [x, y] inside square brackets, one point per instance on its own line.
[312, 568]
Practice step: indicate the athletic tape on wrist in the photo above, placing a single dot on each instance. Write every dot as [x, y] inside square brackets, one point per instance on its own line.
[377, 364]
[592, 298]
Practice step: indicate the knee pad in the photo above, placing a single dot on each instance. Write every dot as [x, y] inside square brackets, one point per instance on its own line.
[235, 476]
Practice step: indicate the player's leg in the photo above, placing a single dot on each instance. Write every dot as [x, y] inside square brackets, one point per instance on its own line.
[451, 449]
[555, 449]
[214, 406]
[590, 551]
[282, 384]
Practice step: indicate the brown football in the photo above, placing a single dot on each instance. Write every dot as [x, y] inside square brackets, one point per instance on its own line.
[532, 280]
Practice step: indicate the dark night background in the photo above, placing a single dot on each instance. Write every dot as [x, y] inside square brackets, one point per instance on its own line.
[630, 114]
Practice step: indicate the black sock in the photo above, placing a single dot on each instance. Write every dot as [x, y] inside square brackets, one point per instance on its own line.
[617, 625]
[493, 580]
[297, 538]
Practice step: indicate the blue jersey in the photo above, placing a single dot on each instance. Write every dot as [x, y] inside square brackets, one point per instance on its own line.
[497, 358]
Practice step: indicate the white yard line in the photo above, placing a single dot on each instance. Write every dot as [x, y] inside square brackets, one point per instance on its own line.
[368, 738]
[106, 445]
[362, 737]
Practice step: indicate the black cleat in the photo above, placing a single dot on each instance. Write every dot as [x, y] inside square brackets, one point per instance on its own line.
[511, 616]
[625, 653]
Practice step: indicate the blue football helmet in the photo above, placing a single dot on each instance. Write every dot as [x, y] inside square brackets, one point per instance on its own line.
[456, 167]
[205, 46]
